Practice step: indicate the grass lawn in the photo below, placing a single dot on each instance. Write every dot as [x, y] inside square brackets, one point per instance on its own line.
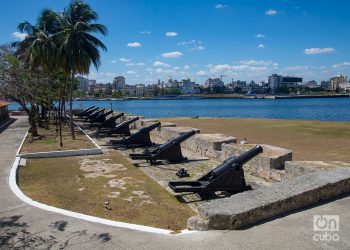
[309, 140]
[49, 140]
[83, 184]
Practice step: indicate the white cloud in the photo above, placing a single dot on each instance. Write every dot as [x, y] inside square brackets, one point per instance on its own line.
[114, 61]
[341, 65]
[134, 44]
[220, 6]
[171, 33]
[261, 46]
[131, 72]
[164, 71]
[122, 59]
[192, 45]
[176, 68]
[135, 64]
[200, 47]
[260, 36]
[201, 73]
[19, 35]
[316, 51]
[186, 67]
[173, 54]
[271, 12]
[160, 64]
[145, 32]
[257, 62]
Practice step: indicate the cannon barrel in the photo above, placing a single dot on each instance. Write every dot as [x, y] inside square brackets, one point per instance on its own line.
[86, 109]
[127, 122]
[236, 161]
[118, 115]
[96, 112]
[90, 111]
[149, 128]
[131, 120]
[178, 139]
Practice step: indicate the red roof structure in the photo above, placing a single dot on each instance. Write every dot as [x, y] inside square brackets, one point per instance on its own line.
[3, 103]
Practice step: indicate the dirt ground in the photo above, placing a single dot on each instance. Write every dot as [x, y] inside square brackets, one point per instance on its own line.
[309, 140]
[83, 184]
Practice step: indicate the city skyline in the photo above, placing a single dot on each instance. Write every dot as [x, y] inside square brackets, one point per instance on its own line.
[245, 40]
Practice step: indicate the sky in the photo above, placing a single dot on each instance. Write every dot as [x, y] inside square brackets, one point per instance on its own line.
[238, 39]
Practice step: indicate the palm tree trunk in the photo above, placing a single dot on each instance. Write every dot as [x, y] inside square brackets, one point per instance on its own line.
[60, 104]
[71, 106]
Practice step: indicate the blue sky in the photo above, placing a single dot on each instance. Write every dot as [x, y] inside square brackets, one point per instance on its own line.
[242, 39]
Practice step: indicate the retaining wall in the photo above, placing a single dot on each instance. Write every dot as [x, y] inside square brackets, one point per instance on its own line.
[250, 207]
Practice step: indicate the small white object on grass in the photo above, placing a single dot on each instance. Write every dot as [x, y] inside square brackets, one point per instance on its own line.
[106, 205]
[245, 141]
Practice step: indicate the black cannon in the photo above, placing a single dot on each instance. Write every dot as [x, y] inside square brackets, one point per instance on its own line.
[122, 128]
[80, 114]
[101, 117]
[94, 115]
[89, 112]
[110, 122]
[228, 177]
[170, 150]
[140, 139]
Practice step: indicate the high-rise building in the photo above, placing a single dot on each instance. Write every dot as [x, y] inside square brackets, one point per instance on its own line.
[277, 81]
[83, 83]
[119, 82]
[336, 80]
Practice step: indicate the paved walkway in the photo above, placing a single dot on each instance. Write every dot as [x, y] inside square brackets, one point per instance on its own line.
[22, 225]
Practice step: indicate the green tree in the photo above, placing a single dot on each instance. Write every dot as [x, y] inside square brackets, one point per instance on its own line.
[78, 48]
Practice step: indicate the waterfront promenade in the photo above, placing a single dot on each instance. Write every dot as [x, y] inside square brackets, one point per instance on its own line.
[22, 225]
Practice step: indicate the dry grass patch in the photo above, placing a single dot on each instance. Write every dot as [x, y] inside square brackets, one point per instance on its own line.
[309, 140]
[83, 184]
[49, 140]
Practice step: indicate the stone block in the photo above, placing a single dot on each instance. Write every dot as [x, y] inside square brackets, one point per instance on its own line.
[208, 145]
[298, 168]
[250, 207]
[169, 132]
[271, 158]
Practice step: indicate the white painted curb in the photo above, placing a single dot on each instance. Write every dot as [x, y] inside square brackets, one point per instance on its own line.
[64, 153]
[15, 189]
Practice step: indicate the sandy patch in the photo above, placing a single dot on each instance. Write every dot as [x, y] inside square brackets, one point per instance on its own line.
[119, 183]
[145, 199]
[96, 168]
[114, 195]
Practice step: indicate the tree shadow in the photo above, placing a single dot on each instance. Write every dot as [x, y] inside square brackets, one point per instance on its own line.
[16, 234]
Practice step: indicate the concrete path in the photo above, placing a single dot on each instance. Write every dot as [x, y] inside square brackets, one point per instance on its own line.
[23, 226]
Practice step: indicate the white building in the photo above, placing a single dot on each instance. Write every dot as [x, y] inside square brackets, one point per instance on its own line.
[214, 82]
[337, 80]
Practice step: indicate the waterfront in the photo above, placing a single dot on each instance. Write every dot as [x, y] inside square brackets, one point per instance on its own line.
[323, 109]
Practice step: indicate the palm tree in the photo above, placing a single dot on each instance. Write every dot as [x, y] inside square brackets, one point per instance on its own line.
[39, 51]
[78, 47]
[37, 48]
